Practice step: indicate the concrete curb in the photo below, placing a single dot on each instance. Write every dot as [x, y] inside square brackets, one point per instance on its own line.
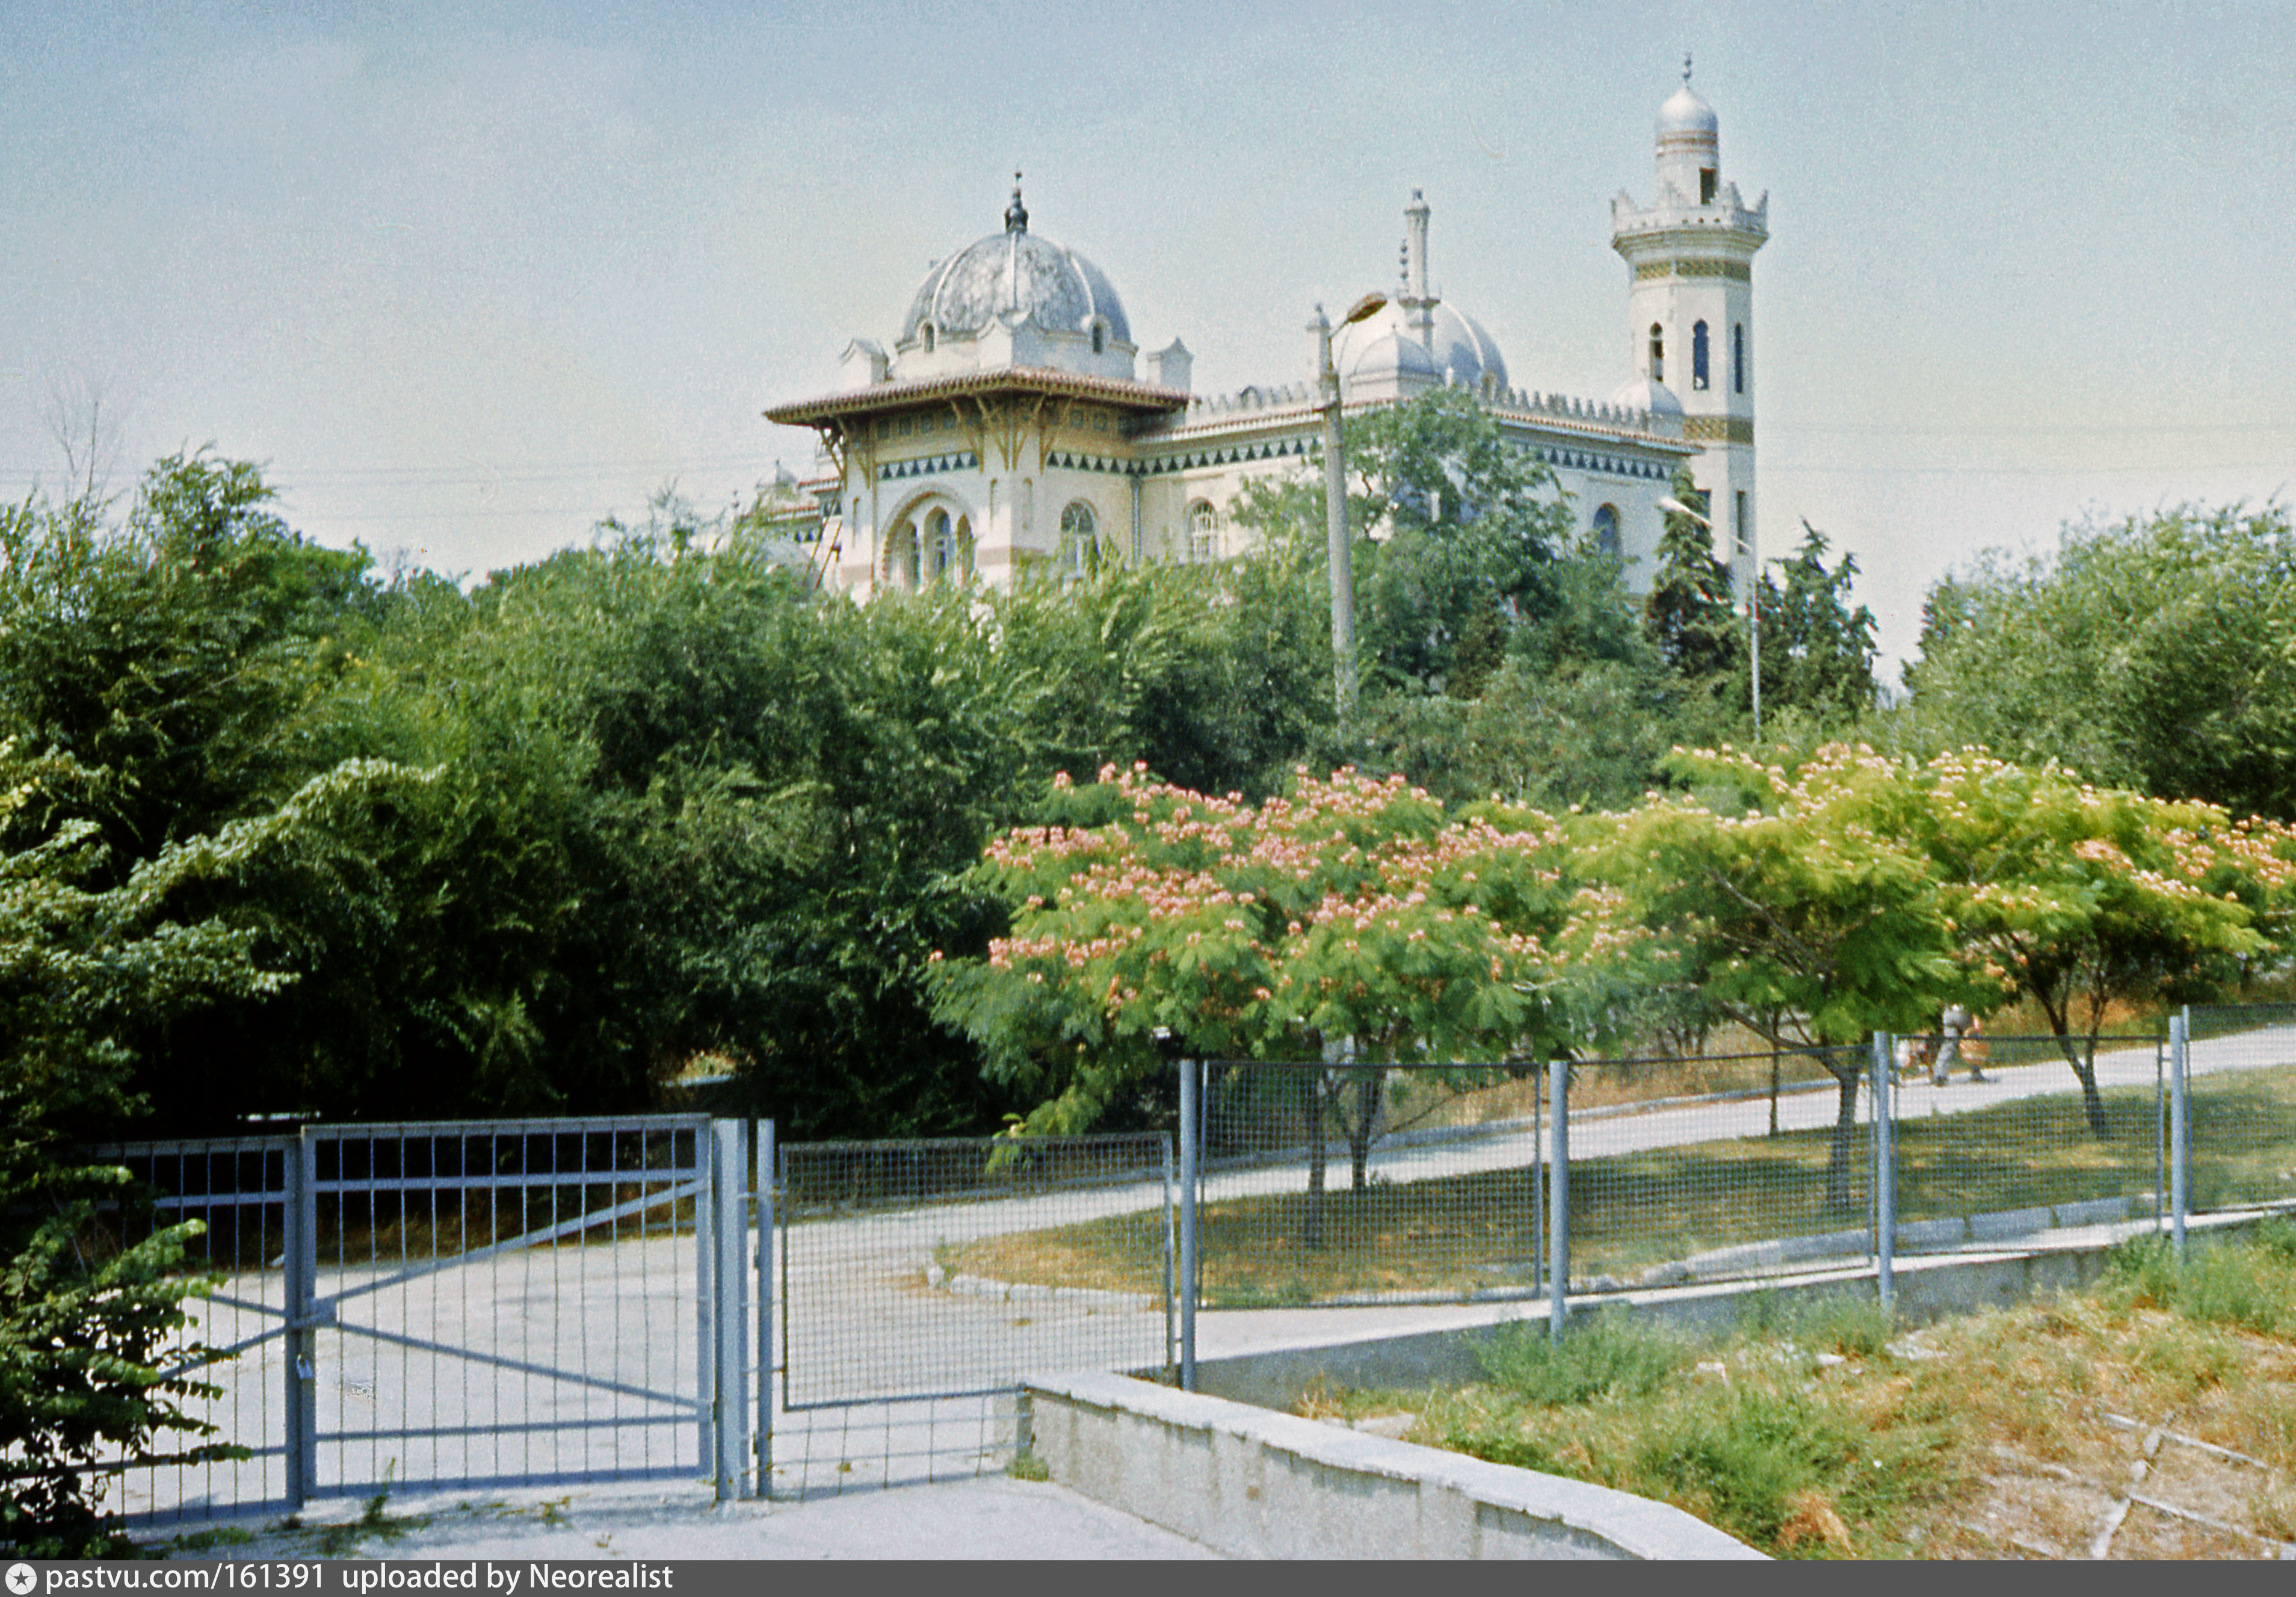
[1253, 1484]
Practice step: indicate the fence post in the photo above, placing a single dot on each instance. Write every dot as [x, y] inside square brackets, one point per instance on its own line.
[300, 1286]
[1538, 1189]
[1558, 1193]
[705, 1295]
[729, 1230]
[1192, 1154]
[1885, 1171]
[2180, 1151]
[1171, 1263]
[766, 1221]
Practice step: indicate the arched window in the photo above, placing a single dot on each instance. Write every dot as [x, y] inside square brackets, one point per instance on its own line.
[901, 557]
[1606, 529]
[1698, 355]
[1657, 353]
[1079, 539]
[1100, 338]
[927, 331]
[1203, 532]
[964, 548]
[940, 548]
[1738, 357]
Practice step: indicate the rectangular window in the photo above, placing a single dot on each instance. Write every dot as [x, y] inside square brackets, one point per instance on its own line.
[1706, 176]
[1745, 533]
[1738, 357]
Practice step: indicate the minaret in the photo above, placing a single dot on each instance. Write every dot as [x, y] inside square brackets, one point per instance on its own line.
[1417, 299]
[1690, 304]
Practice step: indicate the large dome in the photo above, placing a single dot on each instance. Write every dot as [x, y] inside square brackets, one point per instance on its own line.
[1459, 350]
[1015, 277]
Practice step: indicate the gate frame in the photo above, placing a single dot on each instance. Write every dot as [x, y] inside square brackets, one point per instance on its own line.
[714, 1181]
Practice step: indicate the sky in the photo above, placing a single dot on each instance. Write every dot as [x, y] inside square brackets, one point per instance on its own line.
[467, 278]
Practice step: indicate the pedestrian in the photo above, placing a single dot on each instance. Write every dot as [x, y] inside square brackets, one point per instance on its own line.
[1975, 1051]
[1948, 1053]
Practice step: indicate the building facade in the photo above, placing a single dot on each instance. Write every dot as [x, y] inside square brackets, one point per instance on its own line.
[1015, 426]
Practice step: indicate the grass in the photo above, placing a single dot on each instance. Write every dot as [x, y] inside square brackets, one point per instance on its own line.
[1449, 1237]
[1828, 1433]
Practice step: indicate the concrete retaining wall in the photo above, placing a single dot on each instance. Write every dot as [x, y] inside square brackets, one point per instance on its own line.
[1929, 1287]
[1253, 1484]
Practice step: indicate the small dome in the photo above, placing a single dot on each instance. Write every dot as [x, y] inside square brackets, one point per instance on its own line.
[1385, 359]
[1015, 276]
[1684, 112]
[1642, 394]
[1460, 346]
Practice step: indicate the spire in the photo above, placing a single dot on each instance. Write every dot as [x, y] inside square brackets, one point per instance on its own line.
[1016, 215]
[1685, 77]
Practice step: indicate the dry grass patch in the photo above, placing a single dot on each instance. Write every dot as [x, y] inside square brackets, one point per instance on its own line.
[2152, 1417]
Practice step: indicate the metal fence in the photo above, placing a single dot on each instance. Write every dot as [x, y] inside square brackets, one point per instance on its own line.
[920, 1281]
[1320, 1184]
[443, 1305]
[2242, 1090]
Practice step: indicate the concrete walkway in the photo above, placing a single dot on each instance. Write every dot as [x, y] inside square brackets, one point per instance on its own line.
[993, 1517]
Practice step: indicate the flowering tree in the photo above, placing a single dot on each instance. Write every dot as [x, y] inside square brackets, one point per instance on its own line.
[1794, 902]
[2063, 892]
[1856, 893]
[1352, 917]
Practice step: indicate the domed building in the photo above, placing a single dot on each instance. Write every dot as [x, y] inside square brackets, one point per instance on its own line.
[1012, 427]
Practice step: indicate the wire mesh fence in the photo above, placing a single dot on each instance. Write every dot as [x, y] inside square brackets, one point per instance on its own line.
[2242, 1101]
[919, 1282]
[1369, 1183]
[1717, 1167]
[2002, 1137]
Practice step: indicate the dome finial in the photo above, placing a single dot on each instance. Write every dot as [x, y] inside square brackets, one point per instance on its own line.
[1016, 215]
[1686, 77]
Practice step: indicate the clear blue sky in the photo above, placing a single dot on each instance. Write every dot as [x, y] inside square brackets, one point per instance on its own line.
[469, 277]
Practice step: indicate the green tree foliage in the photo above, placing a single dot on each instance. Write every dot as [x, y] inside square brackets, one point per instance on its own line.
[1689, 614]
[1817, 651]
[2070, 893]
[2157, 652]
[170, 654]
[1795, 909]
[94, 1364]
[1351, 909]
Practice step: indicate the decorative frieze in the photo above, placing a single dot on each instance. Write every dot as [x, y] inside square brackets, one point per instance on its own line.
[1719, 430]
[1736, 271]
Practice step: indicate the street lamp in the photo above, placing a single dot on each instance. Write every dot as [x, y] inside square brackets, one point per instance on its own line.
[1335, 514]
[1676, 507]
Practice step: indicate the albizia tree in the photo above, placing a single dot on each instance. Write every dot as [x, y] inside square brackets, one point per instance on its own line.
[1352, 918]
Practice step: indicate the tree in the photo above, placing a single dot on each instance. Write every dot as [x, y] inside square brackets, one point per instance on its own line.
[1795, 905]
[1818, 652]
[1459, 531]
[2062, 892]
[2157, 652]
[92, 1359]
[1353, 920]
[1689, 614]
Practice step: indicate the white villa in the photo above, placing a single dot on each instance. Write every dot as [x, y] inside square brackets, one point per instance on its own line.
[1013, 425]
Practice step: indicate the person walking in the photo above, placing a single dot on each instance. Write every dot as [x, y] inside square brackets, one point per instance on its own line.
[1949, 1053]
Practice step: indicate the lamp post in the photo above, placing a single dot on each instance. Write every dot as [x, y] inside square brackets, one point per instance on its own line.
[1676, 507]
[1335, 515]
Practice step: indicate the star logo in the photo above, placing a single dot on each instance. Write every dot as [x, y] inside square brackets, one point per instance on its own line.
[22, 1579]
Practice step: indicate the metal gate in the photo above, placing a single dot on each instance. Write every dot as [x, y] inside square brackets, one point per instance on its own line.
[919, 1282]
[452, 1305]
